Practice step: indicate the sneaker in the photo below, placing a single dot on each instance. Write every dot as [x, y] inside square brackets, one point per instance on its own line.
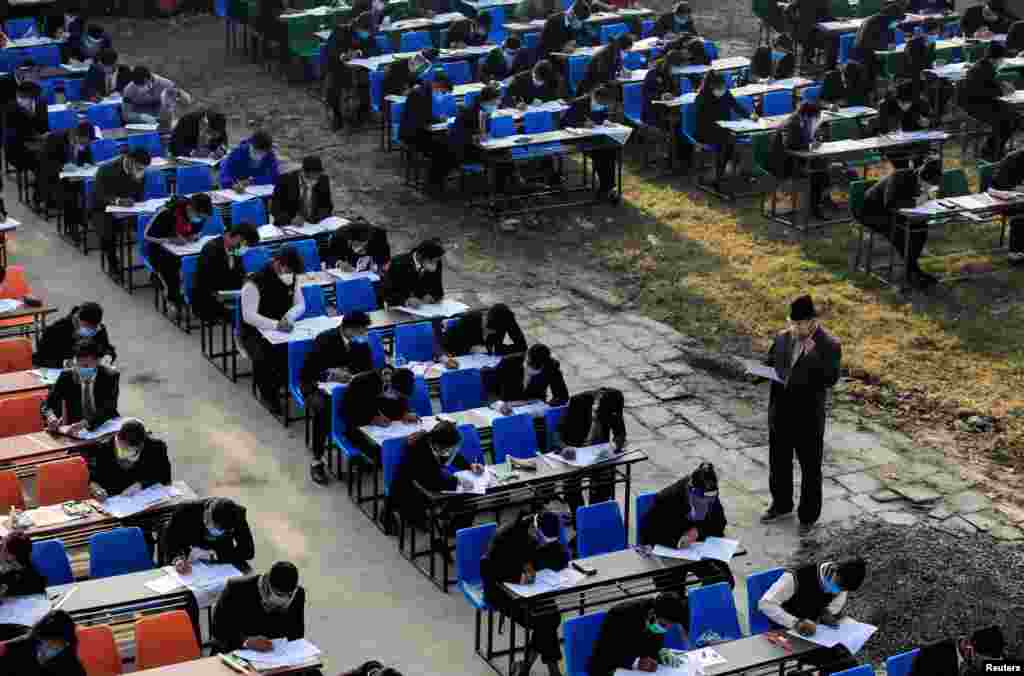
[773, 515]
[318, 474]
[806, 528]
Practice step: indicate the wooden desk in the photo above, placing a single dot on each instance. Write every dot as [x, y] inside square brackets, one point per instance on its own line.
[35, 327]
[24, 453]
[212, 666]
[19, 382]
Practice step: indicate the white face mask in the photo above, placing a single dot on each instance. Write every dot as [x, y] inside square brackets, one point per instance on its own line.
[718, 92]
[26, 103]
[905, 105]
[537, 82]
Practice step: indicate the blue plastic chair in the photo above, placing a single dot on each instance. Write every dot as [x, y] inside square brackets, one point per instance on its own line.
[862, 670]
[72, 90]
[531, 40]
[777, 103]
[155, 184]
[470, 546]
[581, 635]
[552, 421]
[757, 585]
[577, 70]
[444, 107]
[846, 46]
[470, 447]
[255, 259]
[646, 28]
[383, 42]
[214, 225]
[899, 665]
[396, 109]
[316, 306]
[250, 211]
[599, 529]
[811, 93]
[45, 55]
[469, 99]
[51, 560]
[104, 149]
[141, 245]
[461, 390]
[514, 435]
[498, 32]
[500, 126]
[643, 504]
[150, 141]
[62, 119]
[391, 453]
[633, 102]
[20, 28]
[297, 351]
[611, 31]
[338, 437]
[899, 37]
[634, 60]
[538, 122]
[117, 552]
[377, 354]
[189, 264]
[309, 254]
[376, 90]
[712, 614]
[711, 49]
[104, 116]
[414, 41]
[459, 72]
[355, 295]
[192, 179]
[414, 342]
[420, 401]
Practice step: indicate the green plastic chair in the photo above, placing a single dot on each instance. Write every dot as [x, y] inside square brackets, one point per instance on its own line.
[954, 183]
[986, 172]
[841, 9]
[869, 7]
[1012, 77]
[846, 129]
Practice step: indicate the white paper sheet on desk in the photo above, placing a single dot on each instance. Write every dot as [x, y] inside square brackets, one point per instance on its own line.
[478, 361]
[208, 161]
[285, 654]
[148, 206]
[270, 232]
[24, 610]
[756, 368]
[188, 249]
[231, 195]
[9, 224]
[620, 133]
[10, 304]
[721, 549]
[260, 190]
[109, 427]
[85, 171]
[47, 376]
[849, 632]
[76, 67]
[395, 430]
[587, 455]
[346, 276]
[304, 329]
[163, 585]
[662, 670]
[535, 409]
[142, 127]
[329, 224]
[548, 580]
[932, 208]
[206, 581]
[478, 484]
[446, 308]
[122, 506]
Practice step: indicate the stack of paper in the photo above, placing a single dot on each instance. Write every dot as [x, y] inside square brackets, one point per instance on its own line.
[329, 224]
[47, 376]
[260, 190]
[759, 370]
[478, 361]
[142, 127]
[586, 456]
[303, 329]
[208, 161]
[9, 224]
[188, 249]
[148, 206]
[270, 232]
[85, 171]
[346, 276]
[109, 427]
[24, 610]
[395, 430]
[206, 581]
[446, 308]
[548, 580]
[849, 632]
[721, 549]
[228, 195]
[122, 506]
[478, 484]
[10, 304]
[285, 654]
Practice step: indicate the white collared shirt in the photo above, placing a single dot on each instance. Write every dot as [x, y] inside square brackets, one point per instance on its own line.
[782, 591]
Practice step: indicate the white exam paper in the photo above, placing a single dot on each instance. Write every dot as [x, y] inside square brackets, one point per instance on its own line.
[148, 206]
[24, 610]
[285, 654]
[849, 632]
[587, 455]
[122, 506]
[304, 329]
[756, 368]
[446, 308]
[109, 427]
[722, 549]
[548, 580]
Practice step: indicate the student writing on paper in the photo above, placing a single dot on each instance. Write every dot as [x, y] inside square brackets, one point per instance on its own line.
[606, 63]
[251, 162]
[538, 85]
[61, 148]
[105, 76]
[1009, 175]
[359, 247]
[688, 511]
[522, 377]
[201, 133]
[380, 398]
[50, 649]
[661, 84]
[518, 550]
[143, 98]
[180, 221]
[26, 118]
[505, 61]
[480, 332]
[593, 417]
[336, 355]
[85, 396]
[980, 95]
[815, 593]
[118, 183]
[220, 269]
[961, 656]
[57, 345]
[254, 610]
[799, 133]
[129, 462]
[903, 109]
[563, 30]
[586, 111]
[344, 84]
[415, 278]
[271, 303]
[678, 21]
[18, 575]
[302, 197]
[218, 525]
[714, 104]
[633, 634]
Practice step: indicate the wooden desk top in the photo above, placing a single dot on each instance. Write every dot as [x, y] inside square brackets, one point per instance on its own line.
[24, 447]
[20, 381]
[213, 666]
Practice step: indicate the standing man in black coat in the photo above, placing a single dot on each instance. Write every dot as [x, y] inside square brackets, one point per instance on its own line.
[220, 269]
[302, 197]
[633, 633]
[963, 656]
[84, 397]
[688, 511]
[593, 417]
[517, 552]
[25, 121]
[807, 359]
[57, 344]
[130, 462]
[254, 610]
[419, 115]
[415, 278]
[18, 575]
[360, 246]
[217, 525]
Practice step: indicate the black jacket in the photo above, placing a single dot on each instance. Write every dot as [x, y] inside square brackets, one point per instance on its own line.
[554, 36]
[806, 15]
[214, 273]
[398, 79]
[973, 18]
[666, 25]
[377, 248]
[940, 659]
[329, 351]
[25, 125]
[883, 200]
[55, 153]
[153, 467]
[602, 68]
[668, 518]
[287, 199]
[979, 86]
[418, 114]
[874, 35]
[511, 549]
[21, 660]
[522, 88]
[462, 132]
[186, 530]
[510, 375]
[364, 399]
[891, 117]
[67, 391]
[239, 614]
[656, 84]
[185, 137]
[808, 380]
[466, 332]
[792, 136]
[22, 582]
[404, 281]
[710, 110]
[495, 67]
[1010, 172]
[95, 84]
[112, 182]
[58, 343]
[420, 465]
[624, 638]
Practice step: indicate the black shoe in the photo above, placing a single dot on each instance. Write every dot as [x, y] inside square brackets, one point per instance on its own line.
[318, 473]
[806, 528]
[553, 669]
[609, 196]
[923, 280]
[273, 405]
[773, 515]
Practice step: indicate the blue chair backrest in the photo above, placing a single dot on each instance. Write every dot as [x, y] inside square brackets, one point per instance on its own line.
[514, 435]
[72, 90]
[51, 560]
[746, 102]
[497, 34]
[712, 614]
[646, 28]
[552, 420]
[577, 69]
[255, 258]
[459, 72]
[899, 665]
[470, 546]
[846, 46]
[148, 141]
[644, 502]
[104, 116]
[20, 28]
[383, 41]
[252, 211]
[951, 29]
[599, 529]
[461, 390]
[811, 93]
[45, 55]
[634, 60]
[581, 635]
[355, 295]
[313, 295]
[155, 184]
[414, 342]
[610, 31]
[711, 49]
[777, 103]
[470, 447]
[757, 585]
[214, 224]
[309, 254]
[62, 119]
[141, 245]
[104, 149]
[117, 552]
[297, 351]
[396, 109]
[188, 276]
[688, 121]
[531, 40]
[633, 101]
[537, 122]
[414, 41]
[377, 354]
[376, 90]
[862, 670]
[391, 453]
[444, 107]
[188, 180]
[469, 99]
[420, 401]
[500, 126]
[899, 37]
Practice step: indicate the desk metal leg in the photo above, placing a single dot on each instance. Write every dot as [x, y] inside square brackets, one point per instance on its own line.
[628, 492]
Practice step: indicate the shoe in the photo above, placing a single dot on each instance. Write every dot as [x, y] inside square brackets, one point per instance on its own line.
[274, 406]
[773, 515]
[318, 474]
[922, 280]
[1016, 257]
[553, 669]
[806, 528]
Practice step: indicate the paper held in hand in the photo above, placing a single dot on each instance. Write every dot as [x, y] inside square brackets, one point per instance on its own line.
[285, 654]
[759, 370]
[849, 632]
[547, 580]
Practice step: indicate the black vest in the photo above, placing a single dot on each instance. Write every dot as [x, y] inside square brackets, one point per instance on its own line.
[275, 295]
[810, 600]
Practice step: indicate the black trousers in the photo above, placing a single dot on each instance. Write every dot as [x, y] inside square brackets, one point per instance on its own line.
[897, 234]
[208, 309]
[319, 406]
[108, 228]
[544, 628]
[168, 268]
[726, 146]
[1017, 234]
[801, 430]
[604, 166]
[1003, 120]
[269, 363]
[602, 489]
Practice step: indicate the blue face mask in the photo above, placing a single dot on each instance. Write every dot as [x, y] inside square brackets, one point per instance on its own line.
[198, 220]
[47, 651]
[363, 35]
[656, 628]
[829, 585]
[86, 373]
[86, 332]
[488, 107]
[214, 533]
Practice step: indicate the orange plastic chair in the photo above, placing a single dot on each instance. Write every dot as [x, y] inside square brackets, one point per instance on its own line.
[10, 492]
[63, 480]
[15, 284]
[19, 414]
[165, 639]
[97, 651]
[15, 355]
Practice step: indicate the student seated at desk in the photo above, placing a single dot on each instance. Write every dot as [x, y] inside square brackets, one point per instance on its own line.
[798, 133]
[105, 76]
[360, 247]
[660, 84]
[504, 62]
[961, 656]
[981, 21]
[118, 182]
[179, 221]
[633, 634]
[714, 104]
[586, 111]
[523, 377]
[302, 197]
[380, 398]
[415, 278]
[143, 97]
[470, 32]
[537, 10]
[57, 344]
[419, 116]
[201, 133]
[563, 30]
[845, 86]
[901, 190]
[519, 549]
[211, 525]
[470, 124]
[679, 21]
[483, 332]
[69, 26]
[18, 575]
[62, 148]
[254, 610]
[1009, 175]
[251, 162]
[371, 668]
[94, 40]
[538, 85]
[131, 461]
[903, 109]
[877, 34]
[85, 396]
[812, 594]
[594, 417]
[271, 303]
[606, 63]
[980, 95]
[50, 649]
[688, 511]
[399, 77]
[220, 269]
[336, 355]
[25, 121]
[802, 18]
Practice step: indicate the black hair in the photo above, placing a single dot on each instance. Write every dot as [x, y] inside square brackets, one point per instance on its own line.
[107, 56]
[431, 248]
[711, 80]
[672, 607]
[355, 319]
[500, 318]
[283, 577]
[56, 624]
[228, 514]
[544, 69]
[538, 354]
[87, 347]
[141, 75]
[140, 155]
[581, 10]
[90, 312]
[931, 171]
[851, 573]
[625, 41]
[132, 432]
[404, 381]
[247, 231]
[513, 42]
[202, 203]
[704, 477]
[290, 258]
[489, 93]
[216, 120]
[611, 404]
[261, 140]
